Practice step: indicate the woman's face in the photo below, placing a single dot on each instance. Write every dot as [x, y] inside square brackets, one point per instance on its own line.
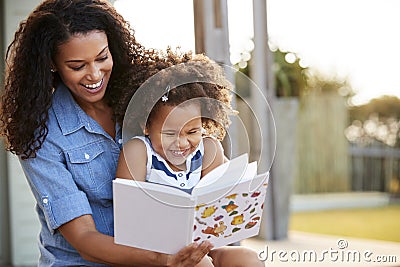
[175, 133]
[84, 64]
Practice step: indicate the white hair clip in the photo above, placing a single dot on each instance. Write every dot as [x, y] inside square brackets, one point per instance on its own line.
[164, 98]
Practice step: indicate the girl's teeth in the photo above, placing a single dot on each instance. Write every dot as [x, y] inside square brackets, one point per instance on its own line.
[179, 152]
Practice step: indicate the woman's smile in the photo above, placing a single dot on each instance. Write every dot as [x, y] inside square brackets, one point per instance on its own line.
[94, 88]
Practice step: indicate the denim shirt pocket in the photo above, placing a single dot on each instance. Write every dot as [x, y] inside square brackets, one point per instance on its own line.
[91, 168]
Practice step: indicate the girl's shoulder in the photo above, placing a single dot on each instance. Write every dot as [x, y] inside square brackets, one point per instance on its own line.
[133, 160]
[211, 143]
[136, 144]
[213, 154]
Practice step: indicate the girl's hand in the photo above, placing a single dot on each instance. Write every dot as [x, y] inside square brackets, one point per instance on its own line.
[190, 255]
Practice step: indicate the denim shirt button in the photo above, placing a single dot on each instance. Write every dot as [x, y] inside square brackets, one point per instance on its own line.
[87, 156]
[120, 141]
[45, 201]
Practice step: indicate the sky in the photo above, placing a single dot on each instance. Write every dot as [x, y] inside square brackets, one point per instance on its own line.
[353, 39]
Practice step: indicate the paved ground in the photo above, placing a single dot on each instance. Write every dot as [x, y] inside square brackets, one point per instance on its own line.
[305, 249]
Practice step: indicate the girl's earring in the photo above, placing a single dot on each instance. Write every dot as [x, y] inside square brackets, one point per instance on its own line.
[52, 70]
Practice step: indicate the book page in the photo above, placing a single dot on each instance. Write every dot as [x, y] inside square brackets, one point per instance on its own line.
[234, 175]
[229, 172]
[232, 216]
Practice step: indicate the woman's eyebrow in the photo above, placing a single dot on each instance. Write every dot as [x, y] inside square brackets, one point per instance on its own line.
[79, 60]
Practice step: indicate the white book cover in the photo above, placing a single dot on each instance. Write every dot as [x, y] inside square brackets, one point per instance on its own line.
[224, 207]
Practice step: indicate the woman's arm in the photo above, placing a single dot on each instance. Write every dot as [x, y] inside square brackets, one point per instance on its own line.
[213, 155]
[93, 246]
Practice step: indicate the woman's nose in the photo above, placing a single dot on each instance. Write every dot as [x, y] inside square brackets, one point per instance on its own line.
[94, 73]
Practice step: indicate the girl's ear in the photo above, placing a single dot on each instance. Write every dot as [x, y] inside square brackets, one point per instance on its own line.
[145, 130]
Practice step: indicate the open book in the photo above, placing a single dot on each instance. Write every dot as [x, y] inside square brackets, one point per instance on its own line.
[224, 207]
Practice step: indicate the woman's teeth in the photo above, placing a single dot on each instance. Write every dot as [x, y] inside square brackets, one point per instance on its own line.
[93, 86]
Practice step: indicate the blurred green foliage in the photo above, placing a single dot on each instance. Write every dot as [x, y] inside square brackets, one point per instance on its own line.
[290, 78]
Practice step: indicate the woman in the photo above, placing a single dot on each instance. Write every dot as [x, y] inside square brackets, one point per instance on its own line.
[66, 67]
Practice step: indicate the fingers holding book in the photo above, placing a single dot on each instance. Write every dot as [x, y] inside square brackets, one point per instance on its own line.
[190, 255]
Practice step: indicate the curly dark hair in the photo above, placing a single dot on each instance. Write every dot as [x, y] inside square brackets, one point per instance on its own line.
[29, 82]
[188, 77]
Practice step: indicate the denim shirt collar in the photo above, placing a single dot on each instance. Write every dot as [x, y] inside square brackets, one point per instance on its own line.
[64, 105]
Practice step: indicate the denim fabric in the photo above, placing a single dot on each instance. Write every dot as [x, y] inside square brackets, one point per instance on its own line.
[72, 176]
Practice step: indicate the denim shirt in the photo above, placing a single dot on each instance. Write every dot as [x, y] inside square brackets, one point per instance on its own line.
[72, 176]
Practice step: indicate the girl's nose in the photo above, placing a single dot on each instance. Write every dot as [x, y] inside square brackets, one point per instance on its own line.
[182, 141]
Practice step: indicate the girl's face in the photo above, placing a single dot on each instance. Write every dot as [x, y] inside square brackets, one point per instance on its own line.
[84, 64]
[175, 132]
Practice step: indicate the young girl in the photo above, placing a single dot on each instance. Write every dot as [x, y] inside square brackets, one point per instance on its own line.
[182, 133]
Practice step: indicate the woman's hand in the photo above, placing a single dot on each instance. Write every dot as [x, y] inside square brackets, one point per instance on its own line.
[190, 255]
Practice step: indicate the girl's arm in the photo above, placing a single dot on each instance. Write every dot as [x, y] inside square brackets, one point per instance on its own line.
[93, 246]
[132, 161]
[213, 155]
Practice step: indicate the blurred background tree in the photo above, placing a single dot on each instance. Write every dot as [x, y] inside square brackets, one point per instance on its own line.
[385, 107]
[376, 121]
[290, 77]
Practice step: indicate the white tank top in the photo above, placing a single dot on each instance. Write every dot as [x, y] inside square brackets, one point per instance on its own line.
[158, 171]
